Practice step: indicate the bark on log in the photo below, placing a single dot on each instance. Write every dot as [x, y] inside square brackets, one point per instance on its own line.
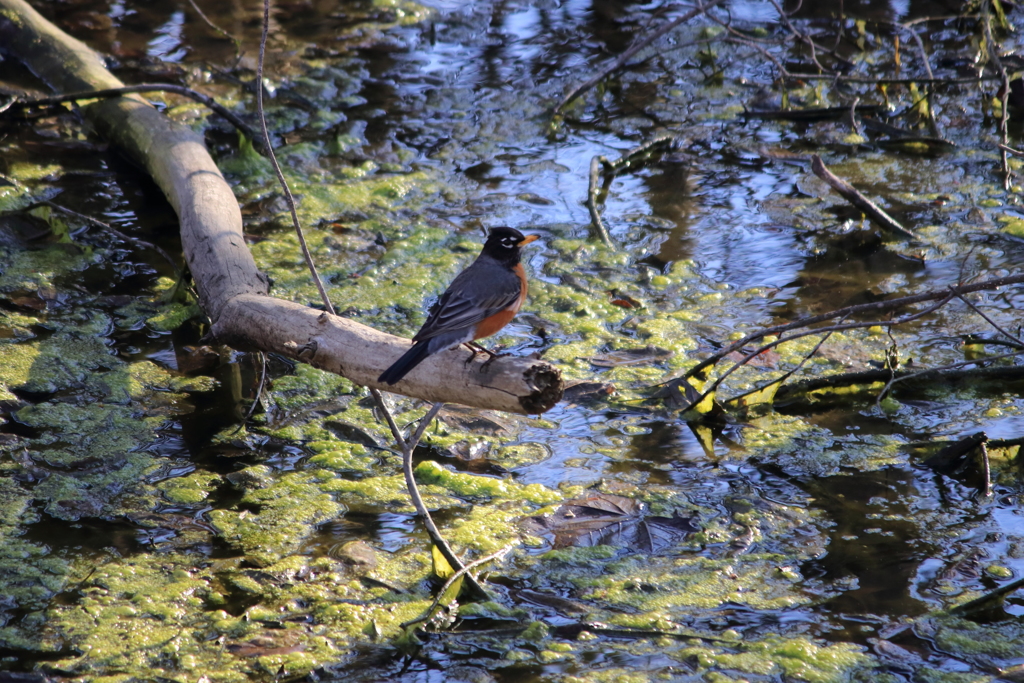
[232, 291]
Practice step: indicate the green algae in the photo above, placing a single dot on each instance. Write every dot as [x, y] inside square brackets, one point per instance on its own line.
[797, 658]
[467, 485]
[342, 457]
[701, 583]
[387, 492]
[190, 490]
[42, 269]
[289, 508]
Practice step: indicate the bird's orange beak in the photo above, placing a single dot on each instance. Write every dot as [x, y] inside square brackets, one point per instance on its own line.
[526, 240]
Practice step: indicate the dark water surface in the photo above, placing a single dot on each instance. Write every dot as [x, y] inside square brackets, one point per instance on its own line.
[466, 93]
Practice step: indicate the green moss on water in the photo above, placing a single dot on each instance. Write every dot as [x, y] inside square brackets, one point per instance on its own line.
[387, 492]
[666, 587]
[1012, 225]
[472, 486]
[33, 270]
[190, 490]
[25, 171]
[289, 508]
[796, 658]
[143, 614]
[342, 457]
[15, 198]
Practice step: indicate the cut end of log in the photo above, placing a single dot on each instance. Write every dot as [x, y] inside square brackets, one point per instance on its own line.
[546, 381]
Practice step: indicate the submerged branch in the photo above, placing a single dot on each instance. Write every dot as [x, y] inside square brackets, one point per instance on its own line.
[592, 202]
[107, 93]
[852, 195]
[875, 308]
[624, 58]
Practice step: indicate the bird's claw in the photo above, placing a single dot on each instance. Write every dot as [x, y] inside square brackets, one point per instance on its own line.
[487, 363]
[477, 349]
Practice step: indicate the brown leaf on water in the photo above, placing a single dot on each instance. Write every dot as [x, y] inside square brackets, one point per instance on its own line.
[624, 300]
[587, 393]
[769, 358]
[473, 420]
[639, 356]
[606, 519]
[279, 643]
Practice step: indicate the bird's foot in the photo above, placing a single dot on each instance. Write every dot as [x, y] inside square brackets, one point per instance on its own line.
[477, 349]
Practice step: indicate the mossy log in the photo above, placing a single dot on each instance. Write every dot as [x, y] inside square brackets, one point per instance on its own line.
[232, 291]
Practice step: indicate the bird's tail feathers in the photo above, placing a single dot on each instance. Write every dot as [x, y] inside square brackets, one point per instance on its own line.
[404, 365]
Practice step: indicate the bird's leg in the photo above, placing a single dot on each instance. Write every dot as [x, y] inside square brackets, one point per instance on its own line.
[475, 348]
[478, 349]
[492, 354]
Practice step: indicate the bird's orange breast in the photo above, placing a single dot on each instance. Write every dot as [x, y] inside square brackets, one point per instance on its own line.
[491, 325]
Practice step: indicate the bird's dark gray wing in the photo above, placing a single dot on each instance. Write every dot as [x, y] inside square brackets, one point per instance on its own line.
[480, 291]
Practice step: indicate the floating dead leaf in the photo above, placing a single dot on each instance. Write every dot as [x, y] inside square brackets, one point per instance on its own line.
[681, 395]
[470, 452]
[346, 431]
[624, 300]
[197, 358]
[29, 300]
[358, 554]
[170, 521]
[279, 643]
[18, 229]
[769, 358]
[542, 326]
[472, 420]
[621, 357]
[563, 605]
[587, 393]
[606, 519]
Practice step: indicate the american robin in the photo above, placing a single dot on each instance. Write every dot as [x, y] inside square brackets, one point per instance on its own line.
[481, 300]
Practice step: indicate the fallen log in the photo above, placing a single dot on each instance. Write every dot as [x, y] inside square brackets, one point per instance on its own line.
[232, 291]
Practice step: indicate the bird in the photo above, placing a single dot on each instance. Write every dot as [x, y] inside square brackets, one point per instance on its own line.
[481, 300]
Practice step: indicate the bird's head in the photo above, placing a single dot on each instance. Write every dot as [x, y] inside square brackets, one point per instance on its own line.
[504, 244]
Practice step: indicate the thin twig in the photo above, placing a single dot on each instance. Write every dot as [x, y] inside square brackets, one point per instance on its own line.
[611, 168]
[987, 598]
[933, 123]
[986, 470]
[595, 214]
[1004, 115]
[882, 81]
[778, 381]
[407, 447]
[218, 29]
[956, 366]
[783, 73]
[852, 195]
[624, 58]
[629, 156]
[116, 233]
[277, 167]
[1011, 150]
[451, 581]
[807, 333]
[991, 322]
[802, 37]
[877, 307]
[107, 93]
